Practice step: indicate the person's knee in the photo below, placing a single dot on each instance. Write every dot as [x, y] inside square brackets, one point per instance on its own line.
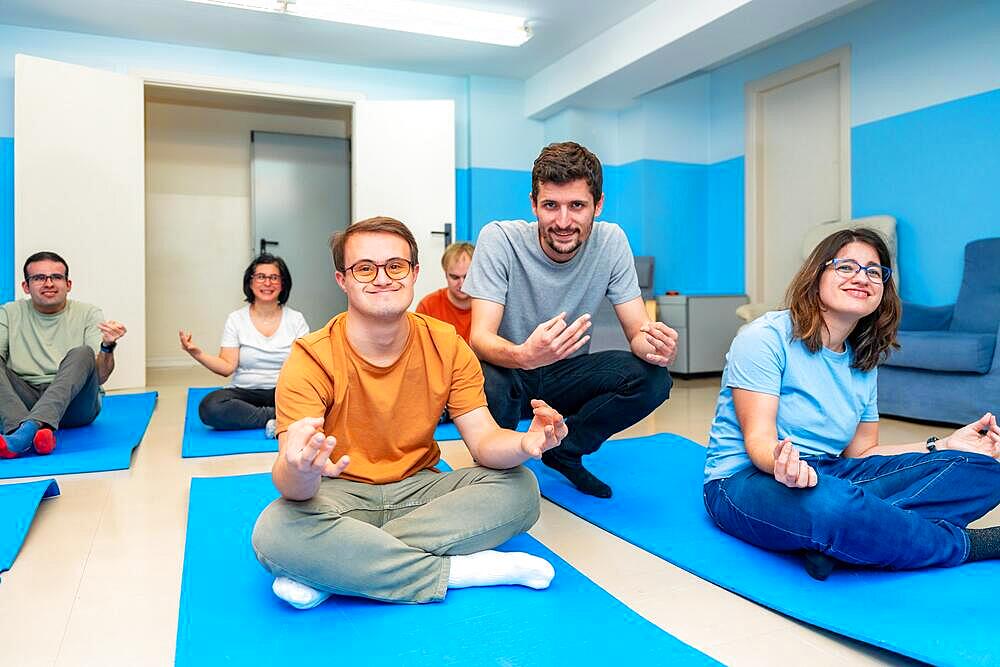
[497, 382]
[212, 407]
[81, 356]
[269, 538]
[650, 382]
[524, 495]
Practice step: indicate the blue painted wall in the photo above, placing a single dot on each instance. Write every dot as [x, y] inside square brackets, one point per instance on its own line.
[938, 171]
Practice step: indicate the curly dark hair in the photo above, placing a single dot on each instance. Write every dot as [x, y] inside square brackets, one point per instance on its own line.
[874, 335]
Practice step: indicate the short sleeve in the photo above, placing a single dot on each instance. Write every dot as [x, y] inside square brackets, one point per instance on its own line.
[92, 337]
[230, 332]
[467, 391]
[301, 326]
[624, 283]
[304, 389]
[756, 360]
[489, 273]
[870, 411]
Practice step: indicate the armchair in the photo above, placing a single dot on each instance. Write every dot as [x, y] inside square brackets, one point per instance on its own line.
[948, 366]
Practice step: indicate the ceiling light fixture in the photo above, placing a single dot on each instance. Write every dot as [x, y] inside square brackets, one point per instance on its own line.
[423, 18]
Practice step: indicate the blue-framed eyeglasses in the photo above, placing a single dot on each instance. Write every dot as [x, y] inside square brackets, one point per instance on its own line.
[848, 268]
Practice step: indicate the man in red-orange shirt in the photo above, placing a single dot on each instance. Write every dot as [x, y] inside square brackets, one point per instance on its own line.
[450, 304]
[363, 510]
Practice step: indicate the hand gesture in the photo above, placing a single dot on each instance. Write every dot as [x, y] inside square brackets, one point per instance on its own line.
[547, 430]
[187, 344]
[111, 331]
[980, 437]
[663, 340]
[790, 470]
[307, 450]
[554, 340]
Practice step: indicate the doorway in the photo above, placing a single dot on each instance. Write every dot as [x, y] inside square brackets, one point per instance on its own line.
[200, 207]
[798, 166]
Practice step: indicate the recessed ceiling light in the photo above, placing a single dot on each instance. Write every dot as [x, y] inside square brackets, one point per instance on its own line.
[403, 15]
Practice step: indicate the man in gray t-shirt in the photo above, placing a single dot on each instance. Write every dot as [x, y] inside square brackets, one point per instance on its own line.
[534, 287]
[55, 353]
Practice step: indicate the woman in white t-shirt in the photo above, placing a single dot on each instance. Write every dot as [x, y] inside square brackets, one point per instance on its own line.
[255, 343]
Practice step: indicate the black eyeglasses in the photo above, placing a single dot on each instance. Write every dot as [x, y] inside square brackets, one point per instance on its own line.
[267, 277]
[42, 278]
[848, 268]
[366, 270]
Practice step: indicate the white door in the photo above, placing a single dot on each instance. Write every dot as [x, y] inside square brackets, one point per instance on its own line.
[301, 189]
[78, 190]
[404, 167]
[802, 161]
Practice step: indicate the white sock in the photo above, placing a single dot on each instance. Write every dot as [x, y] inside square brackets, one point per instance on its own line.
[497, 568]
[297, 594]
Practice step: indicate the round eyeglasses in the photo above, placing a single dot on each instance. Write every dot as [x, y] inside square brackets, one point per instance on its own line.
[366, 270]
[848, 268]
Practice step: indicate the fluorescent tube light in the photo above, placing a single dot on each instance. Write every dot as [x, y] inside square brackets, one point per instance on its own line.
[402, 15]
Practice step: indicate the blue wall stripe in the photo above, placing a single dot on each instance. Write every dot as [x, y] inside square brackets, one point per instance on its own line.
[497, 194]
[6, 219]
[938, 171]
[462, 224]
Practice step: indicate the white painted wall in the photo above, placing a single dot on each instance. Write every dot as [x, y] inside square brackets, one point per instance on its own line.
[198, 217]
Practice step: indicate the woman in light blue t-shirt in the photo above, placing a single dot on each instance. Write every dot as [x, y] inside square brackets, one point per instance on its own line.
[255, 343]
[794, 461]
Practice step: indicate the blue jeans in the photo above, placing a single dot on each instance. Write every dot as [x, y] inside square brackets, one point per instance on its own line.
[600, 394]
[895, 512]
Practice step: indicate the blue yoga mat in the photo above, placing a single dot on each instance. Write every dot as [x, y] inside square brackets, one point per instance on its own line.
[106, 444]
[18, 503]
[228, 614]
[940, 616]
[200, 440]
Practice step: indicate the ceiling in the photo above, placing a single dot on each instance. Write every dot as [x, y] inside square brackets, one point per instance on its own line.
[558, 26]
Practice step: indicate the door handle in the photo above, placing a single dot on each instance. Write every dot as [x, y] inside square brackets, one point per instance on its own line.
[264, 243]
[446, 234]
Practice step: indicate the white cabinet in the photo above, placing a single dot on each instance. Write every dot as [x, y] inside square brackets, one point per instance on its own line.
[706, 326]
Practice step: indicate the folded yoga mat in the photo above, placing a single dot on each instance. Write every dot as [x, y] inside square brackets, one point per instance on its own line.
[940, 616]
[19, 502]
[106, 444]
[200, 440]
[228, 614]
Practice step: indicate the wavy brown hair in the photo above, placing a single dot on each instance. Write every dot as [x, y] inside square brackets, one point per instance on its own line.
[874, 334]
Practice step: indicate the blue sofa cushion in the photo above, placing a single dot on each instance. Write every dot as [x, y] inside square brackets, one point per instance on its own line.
[978, 306]
[944, 351]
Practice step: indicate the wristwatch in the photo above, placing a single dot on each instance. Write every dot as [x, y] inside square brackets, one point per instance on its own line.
[931, 447]
[108, 348]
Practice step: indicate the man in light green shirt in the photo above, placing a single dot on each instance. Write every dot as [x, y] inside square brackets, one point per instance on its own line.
[56, 353]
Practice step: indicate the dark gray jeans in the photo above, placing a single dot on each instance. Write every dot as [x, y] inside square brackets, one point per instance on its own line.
[73, 398]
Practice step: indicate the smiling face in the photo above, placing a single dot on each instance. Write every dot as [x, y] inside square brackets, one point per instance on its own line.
[269, 289]
[565, 214]
[384, 297]
[49, 295]
[855, 297]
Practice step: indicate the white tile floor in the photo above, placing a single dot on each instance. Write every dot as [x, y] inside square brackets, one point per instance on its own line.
[98, 579]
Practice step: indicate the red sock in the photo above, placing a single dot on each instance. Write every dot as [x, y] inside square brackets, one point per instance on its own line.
[4, 452]
[45, 441]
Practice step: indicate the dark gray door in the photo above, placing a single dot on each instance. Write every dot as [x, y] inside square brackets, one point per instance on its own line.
[301, 188]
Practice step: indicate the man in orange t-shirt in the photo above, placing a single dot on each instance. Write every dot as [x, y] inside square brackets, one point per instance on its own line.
[450, 304]
[363, 510]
